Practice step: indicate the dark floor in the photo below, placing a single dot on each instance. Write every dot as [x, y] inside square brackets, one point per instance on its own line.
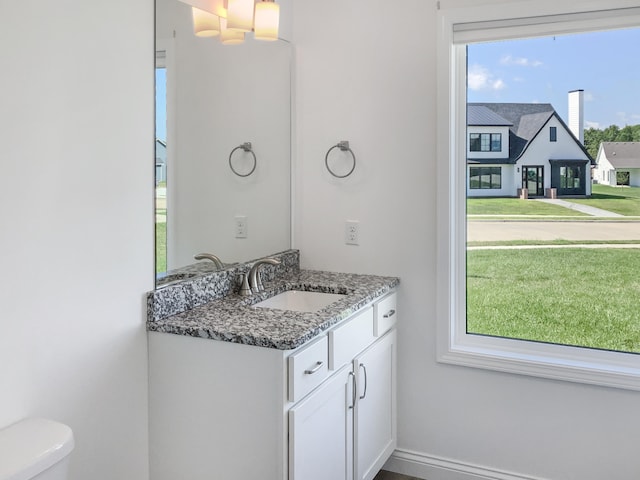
[384, 475]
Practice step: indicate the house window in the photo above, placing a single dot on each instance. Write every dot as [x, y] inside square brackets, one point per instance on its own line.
[485, 178]
[570, 177]
[496, 142]
[553, 134]
[455, 344]
[485, 142]
[622, 178]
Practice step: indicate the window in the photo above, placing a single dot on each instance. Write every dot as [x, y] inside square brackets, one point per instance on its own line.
[485, 142]
[458, 28]
[570, 177]
[622, 178]
[553, 134]
[485, 178]
[161, 162]
[496, 142]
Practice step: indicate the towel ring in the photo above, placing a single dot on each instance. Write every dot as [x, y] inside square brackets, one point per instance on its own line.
[344, 146]
[246, 146]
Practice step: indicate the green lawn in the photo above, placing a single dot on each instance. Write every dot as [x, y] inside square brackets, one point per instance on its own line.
[622, 200]
[515, 206]
[581, 297]
[161, 247]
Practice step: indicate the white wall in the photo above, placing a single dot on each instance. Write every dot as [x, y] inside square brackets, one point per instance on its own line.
[366, 74]
[225, 96]
[634, 178]
[76, 238]
[604, 172]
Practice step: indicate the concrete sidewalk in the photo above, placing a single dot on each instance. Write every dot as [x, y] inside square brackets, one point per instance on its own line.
[595, 212]
[489, 231]
[534, 247]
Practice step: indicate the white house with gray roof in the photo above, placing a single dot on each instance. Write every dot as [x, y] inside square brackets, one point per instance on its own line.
[523, 145]
[618, 158]
[161, 161]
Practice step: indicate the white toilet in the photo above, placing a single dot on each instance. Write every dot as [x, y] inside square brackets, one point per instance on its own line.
[35, 449]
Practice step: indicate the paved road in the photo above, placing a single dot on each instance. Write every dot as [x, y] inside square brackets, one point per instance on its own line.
[486, 231]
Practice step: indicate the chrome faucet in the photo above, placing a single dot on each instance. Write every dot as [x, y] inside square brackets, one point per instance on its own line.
[255, 283]
[210, 256]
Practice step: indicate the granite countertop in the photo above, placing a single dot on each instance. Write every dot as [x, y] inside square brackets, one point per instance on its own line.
[234, 319]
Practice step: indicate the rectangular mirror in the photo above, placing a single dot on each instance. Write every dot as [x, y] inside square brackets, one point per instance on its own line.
[212, 196]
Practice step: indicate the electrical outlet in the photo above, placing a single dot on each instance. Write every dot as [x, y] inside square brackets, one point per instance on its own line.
[241, 226]
[352, 232]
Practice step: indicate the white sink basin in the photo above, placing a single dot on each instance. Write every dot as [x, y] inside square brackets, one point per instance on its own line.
[300, 301]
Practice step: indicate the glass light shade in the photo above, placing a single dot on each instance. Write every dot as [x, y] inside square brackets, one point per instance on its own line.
[228, 36]
[205, 24]
[240, 15]
[217, 7]
[267, 19]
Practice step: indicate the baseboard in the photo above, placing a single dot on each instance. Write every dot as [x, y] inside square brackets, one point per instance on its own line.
[430, 467]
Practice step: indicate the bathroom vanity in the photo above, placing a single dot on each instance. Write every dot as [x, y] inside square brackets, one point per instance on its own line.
[244, 391]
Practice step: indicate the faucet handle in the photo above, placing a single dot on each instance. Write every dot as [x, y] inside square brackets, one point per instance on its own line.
[245, 290]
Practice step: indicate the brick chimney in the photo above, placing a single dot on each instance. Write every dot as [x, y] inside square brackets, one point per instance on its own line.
[576, 114]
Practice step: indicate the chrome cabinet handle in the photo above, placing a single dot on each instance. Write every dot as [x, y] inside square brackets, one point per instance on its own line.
[354, 389]
[389, 314]
[314, 369]
[364, 394]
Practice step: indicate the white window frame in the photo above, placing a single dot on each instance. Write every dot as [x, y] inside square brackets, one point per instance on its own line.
[458, 27]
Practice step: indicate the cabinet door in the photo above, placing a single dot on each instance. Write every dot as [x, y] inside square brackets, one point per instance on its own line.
[321, 431]
[375, 417]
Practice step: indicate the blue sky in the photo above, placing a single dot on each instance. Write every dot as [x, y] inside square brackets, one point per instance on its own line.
[161, 111]
[605, 65]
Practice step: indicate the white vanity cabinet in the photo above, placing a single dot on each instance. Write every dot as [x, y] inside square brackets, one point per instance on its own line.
[347, 429]
[375, 422]
[321, 432]
[323, 411]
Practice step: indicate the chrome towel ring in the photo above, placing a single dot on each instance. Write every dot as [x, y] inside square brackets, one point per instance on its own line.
[246, 146]
[343, 146]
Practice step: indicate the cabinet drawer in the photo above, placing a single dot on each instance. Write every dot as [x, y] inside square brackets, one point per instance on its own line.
[350, 338]
[385, 315]
[307, 369]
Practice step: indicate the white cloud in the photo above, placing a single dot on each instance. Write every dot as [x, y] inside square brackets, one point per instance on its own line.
[520, 61]
[588, 97]
[480, 78]
[589, 124]
[498, 84]
[623, 118]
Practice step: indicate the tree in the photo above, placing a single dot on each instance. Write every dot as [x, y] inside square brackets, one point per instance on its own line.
[593, 137]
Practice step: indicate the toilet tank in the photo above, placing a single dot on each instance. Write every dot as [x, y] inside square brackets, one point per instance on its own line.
[35, 449]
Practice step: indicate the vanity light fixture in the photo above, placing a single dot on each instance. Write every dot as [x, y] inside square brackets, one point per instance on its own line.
[205, 24]
[211, 19]
[267, 19]
[229, 36]
[240, 15]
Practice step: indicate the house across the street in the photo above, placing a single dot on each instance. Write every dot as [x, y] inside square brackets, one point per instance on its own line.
[161, 161]
[618, 163]
[516, 146]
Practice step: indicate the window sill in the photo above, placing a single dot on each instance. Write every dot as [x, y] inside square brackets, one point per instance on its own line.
[557, 362]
